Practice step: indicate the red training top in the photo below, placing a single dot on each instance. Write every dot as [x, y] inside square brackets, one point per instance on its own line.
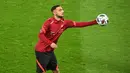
[52, 29]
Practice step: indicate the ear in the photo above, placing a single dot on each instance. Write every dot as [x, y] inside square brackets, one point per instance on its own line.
[54, 12]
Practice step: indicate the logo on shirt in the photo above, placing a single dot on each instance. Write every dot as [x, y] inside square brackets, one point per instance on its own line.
[52, 33]
[59, 31]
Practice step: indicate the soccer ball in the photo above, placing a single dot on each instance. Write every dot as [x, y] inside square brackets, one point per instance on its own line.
[102, 19]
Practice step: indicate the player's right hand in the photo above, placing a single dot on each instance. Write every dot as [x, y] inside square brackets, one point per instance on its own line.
[53, 45]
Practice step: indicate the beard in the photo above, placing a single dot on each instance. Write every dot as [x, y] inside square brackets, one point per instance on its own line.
[59, 16]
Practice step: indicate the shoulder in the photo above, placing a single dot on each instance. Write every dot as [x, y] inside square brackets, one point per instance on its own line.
[49, 21]
[70, 22]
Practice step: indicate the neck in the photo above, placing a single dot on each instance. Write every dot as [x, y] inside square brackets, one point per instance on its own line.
[57, 18]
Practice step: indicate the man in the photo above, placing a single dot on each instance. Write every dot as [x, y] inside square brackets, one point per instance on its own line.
[48, 37]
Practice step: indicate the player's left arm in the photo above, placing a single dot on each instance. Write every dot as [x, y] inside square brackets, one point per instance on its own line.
[102, 19]
[80, 24]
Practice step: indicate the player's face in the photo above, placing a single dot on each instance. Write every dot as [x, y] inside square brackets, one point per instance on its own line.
[59, 12]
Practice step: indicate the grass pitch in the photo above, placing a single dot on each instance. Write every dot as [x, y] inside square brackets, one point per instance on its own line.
[93, 49]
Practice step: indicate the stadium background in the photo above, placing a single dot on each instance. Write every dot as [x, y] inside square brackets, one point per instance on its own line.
[93, 49]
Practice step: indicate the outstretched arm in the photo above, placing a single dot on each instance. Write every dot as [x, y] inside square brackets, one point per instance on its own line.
[84, 24]
[80, 24]
[102, 19]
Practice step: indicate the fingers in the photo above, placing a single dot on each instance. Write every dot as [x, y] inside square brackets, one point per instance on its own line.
[53, 45]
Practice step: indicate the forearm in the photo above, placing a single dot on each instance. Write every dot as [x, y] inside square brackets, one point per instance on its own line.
[44, 38]
[83, 24]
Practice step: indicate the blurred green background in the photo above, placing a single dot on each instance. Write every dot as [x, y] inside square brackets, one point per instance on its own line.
[93, 49]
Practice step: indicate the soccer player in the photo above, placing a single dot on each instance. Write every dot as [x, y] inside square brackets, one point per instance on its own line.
[48, 37]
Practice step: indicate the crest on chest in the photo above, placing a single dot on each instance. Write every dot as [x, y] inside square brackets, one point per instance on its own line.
[56, 28]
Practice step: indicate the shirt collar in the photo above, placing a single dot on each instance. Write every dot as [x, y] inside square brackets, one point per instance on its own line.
[61, 19]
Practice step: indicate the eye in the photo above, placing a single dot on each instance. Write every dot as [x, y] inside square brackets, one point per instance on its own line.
[60, 9]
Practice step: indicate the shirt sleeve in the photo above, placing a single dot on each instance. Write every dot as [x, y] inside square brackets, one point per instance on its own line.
[71, 23]
[43, 31]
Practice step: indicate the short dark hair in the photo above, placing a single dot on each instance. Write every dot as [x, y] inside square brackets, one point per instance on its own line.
[54, 7]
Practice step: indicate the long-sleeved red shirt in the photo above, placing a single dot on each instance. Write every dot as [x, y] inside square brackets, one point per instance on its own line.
[52, 29]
